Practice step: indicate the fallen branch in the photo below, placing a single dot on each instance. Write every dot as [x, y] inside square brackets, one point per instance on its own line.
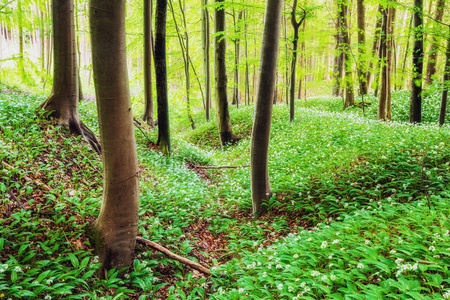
[221, 167]
[426, 262]
[172, 255]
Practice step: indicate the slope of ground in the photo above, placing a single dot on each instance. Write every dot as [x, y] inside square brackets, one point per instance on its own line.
[360, 210]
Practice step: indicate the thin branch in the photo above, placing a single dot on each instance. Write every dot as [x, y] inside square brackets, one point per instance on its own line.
[221, 167]
[172, 255]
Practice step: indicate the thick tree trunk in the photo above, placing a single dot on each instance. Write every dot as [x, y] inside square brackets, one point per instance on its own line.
[260, 184]
[63, 101]
[434, 44]
[443, 110]
[147, 115]
[415, 108]
[161, 77]
[381, 114]
[115, 230]
[206, 58]
[361, 48]
[220, 78]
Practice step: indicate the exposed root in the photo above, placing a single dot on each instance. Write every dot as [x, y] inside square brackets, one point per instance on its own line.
[172, 255]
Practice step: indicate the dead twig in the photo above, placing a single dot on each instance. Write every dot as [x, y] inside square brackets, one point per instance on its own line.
[172, 255]
[221, 167]
[426, 262]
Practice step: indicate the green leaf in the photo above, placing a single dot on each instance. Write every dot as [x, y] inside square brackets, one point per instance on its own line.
[74, 260]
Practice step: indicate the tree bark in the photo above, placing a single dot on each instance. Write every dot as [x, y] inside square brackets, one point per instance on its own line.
[434, 44]
[296, 25]
[259, 170]
[147, 115]
[161, 77]
[237, 32]
[115, 230]
[361, 48]
[348, 78]
[415, 108]
[206, 58]
[220, 78]
[443, 109]
[338, 59]
[63, 101]
[375, 47]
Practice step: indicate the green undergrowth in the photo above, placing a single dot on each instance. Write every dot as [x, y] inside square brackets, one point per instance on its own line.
[360, 210]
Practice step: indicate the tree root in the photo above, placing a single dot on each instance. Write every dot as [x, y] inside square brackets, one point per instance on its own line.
[172, 255]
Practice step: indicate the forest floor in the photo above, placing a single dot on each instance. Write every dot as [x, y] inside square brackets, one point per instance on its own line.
[360, 209]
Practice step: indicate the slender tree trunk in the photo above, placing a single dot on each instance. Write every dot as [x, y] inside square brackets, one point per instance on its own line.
[443, 109]
[338, 59]
[296, 25]
[237, 42]
[381, 114]
[223, 116]
[286, 49]
[42, 33]
[260, 184]
[115, 230]
[247, 75]
[402, 78]
[63, 101]
[362, 73]
[21, 51]
[348, 79]
[161, 77]
[206, 58]
[434, 44]
[375, 46]
[415, 109]
[147, 115]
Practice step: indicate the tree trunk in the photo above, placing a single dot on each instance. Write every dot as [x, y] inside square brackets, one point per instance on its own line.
[161, 77]
[247, 75]
[296, 25]
[147, 116]
[381, 114]
[338, 59]
[348, 79]
[21, 51]
[434, 44]
[115, 230]
[361, 48]
[63, 101]
[415, 108]
[206, 58]
[220, 78]
[260, 184]
[237, 32]
[375, 46]
[442, 111]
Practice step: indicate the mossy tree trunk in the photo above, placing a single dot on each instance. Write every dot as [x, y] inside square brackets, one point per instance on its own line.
[63, 101]
[260, 184]
[115, 229]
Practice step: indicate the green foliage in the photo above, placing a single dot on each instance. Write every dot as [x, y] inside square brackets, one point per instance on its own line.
[360, 207]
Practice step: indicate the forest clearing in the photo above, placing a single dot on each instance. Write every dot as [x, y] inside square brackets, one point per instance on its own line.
[224, 149]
